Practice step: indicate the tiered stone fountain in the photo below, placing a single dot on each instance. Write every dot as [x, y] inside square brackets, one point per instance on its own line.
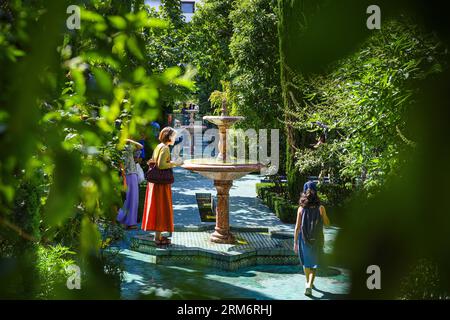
[192, 128]
[223, 172]
[201, 245]
[218, 248]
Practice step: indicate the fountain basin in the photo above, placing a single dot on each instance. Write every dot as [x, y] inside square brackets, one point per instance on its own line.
[225, 121]
[217, 170]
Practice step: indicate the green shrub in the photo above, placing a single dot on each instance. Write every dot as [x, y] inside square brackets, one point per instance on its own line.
[275, 201]
[285, 211]
[283, 208]
[271, 196]
[333, 194]
[262, 187]
[51, 264]
[334, 197]
[289, 213]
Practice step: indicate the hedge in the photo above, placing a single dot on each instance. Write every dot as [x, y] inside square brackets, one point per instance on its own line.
[262, 187]
[283, 209]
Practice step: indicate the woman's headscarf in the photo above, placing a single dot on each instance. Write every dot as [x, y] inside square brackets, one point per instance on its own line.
[310, 185]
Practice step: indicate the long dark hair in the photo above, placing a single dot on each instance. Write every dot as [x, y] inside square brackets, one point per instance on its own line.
[309, 199]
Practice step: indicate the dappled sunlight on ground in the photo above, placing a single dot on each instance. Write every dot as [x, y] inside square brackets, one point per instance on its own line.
[144, 279]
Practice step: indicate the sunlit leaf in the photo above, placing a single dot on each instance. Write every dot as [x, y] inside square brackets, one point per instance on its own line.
[118, 22]
[91, 16]
[103, 79]
[90, 237]
[133, 46]
[64, 190]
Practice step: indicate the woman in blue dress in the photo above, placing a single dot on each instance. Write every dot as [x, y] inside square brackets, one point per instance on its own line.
[308, 235]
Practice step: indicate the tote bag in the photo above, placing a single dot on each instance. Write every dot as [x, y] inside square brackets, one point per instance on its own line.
[156, 175]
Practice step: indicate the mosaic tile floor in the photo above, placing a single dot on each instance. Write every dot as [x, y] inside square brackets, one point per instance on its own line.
[200, 240]
[252, 248]
[145, 279]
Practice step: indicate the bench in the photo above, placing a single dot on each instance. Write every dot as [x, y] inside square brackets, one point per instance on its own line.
[267, 179]
[315, 179]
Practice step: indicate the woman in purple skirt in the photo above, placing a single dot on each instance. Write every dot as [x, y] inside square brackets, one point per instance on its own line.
[128, 213]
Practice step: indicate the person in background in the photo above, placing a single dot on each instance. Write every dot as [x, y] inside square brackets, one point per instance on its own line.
[158, 209]
[184, 116]
[139, 161]
[156, 128]
[128, 213]
[308, 234]
[142, 153]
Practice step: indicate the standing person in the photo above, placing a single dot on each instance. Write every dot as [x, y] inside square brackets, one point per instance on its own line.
[142, 138]
[185, 116]
[128, 213]
[156, 128]
[158, 210]
[308, 235]
[138, 160]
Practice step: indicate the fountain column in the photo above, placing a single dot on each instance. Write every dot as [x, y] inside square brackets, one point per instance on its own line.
[222, 156]
[222, 232]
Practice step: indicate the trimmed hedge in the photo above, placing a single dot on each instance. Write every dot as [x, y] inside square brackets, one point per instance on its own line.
[262, 187]
[283, 209]
[332, 196]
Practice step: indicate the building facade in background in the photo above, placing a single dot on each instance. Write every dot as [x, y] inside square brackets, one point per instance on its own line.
[187, 7]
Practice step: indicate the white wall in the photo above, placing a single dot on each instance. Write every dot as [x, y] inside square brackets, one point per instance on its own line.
[156, 3]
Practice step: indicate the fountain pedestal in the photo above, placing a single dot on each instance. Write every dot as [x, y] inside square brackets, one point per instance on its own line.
[222, 232]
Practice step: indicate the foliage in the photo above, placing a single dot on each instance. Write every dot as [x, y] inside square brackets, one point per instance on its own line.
[262, 187]
[219, 98]
[291, 23]
[364, 100]
[62, 95]
[171, 11]
[208, 41]
[255, 72]
[167, 48]
[52, 266]
[282, 207]
[333, 196]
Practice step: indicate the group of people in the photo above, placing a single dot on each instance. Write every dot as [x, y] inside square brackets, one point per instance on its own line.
[158, 209]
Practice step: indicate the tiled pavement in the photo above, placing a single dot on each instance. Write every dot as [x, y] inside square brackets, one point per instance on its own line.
[175, 279]
[194, 248]
[245, 208]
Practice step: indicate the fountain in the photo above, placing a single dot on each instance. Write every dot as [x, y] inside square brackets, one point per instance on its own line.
[223, 172]
[192, 128]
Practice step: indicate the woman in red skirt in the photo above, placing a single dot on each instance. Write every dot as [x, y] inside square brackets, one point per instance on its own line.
[158, 210]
